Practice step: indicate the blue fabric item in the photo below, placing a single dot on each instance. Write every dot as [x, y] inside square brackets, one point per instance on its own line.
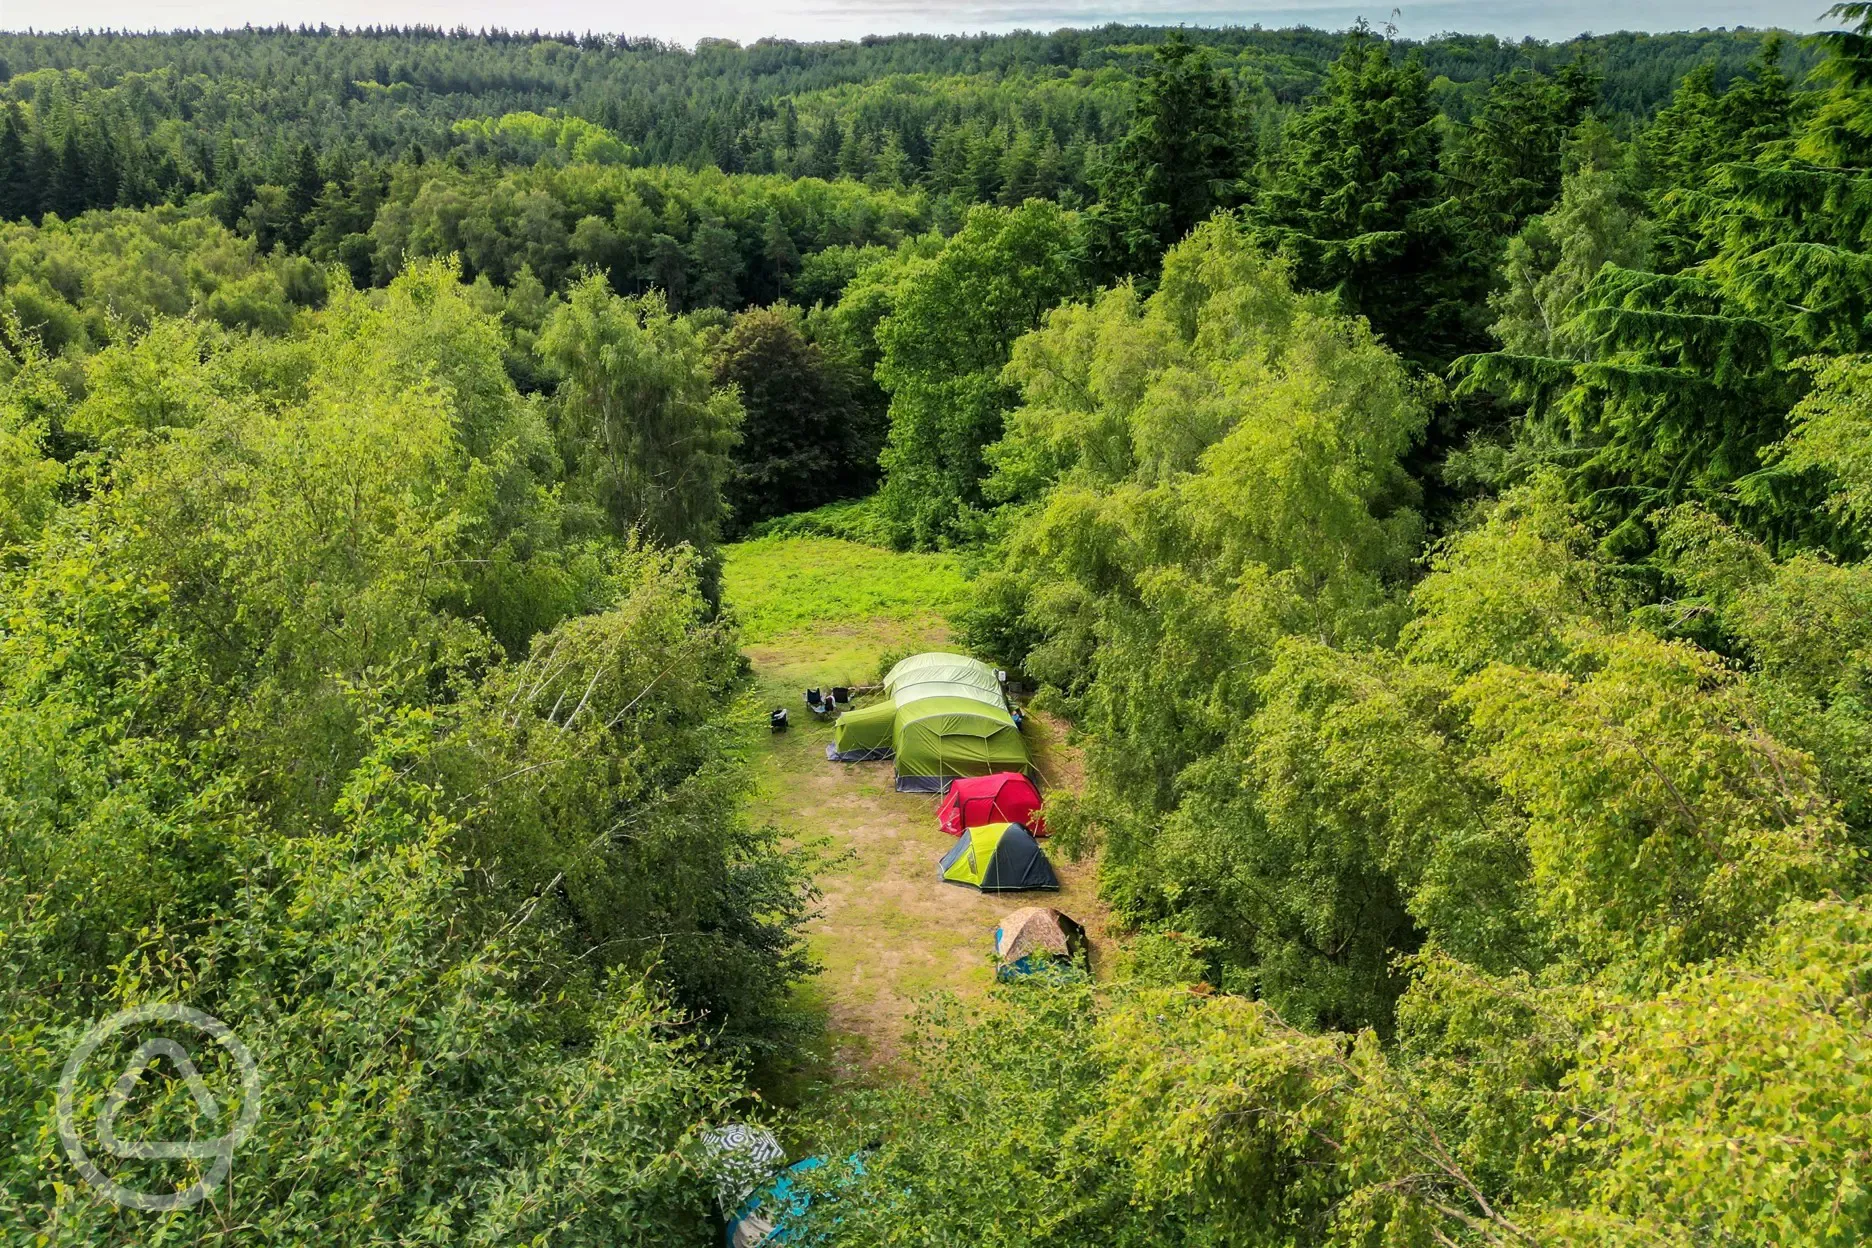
[775, 1205]
[1040, 968]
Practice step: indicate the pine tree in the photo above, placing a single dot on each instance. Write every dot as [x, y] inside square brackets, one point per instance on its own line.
[18, 196]
[822, 159]
[1506, 166]
[69, 183]
[1182, 159]
[103, 172]
[1677, 386]
[1697, 135]
[1676, 396]
[1841, 130]
[302, 197]
[782, 257]
[41, 176]
[1357, 204]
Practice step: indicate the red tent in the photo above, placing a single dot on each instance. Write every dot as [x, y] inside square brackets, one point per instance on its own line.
[1004, 797]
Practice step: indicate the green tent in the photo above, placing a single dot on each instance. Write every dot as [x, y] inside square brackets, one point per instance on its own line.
[925, 675]
[943, 716]
[864, 734]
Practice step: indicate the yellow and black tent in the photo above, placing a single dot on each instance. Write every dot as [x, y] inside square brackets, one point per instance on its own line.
[999, 858]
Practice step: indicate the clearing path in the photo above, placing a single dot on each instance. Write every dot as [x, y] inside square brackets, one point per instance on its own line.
[817, 611]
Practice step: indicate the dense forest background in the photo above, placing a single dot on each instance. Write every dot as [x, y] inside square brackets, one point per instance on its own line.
[1434, 480]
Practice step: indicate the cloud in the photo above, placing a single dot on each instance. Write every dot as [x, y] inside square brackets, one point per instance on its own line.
[1558, 19]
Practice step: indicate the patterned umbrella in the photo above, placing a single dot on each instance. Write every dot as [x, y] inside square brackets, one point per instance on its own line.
[743, 1157]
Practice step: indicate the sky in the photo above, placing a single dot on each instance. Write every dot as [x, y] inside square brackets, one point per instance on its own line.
[685, 21]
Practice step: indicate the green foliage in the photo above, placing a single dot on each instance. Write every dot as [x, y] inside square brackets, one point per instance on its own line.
[363, 682]
[858, 521]
[1663, 387]
[322, 952]
[82, 284]
[1602, 851]
[1800, 624]
[640, 411]
[1596, 222]
[1677, 398]
[942, 346]
[30, 478]
[1356, 202]
[1759, 1057]
[1182, 160]
[1506, 164]
[1832, 435]
[1841, 130]
[1662, 823]
[1702, 130]
[805, 439]
[326, 715]
[1190, 478]
[573, 138]
[94, 121]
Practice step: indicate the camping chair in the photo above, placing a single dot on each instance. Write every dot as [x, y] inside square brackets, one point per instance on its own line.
[820, 704]
[841, 694]
[778, 720]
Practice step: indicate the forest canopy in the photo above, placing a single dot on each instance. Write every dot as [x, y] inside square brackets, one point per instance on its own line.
[1432, 482]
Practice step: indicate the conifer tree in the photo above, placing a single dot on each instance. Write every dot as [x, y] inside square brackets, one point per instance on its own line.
[68, 194]
[1506, 166]
[103, 172]
[1841, 130]
[18, 194]
[41, 174]
[1675, 386]
[1182, 159]
[1357, 205]
[302, 197]
[1702, 131]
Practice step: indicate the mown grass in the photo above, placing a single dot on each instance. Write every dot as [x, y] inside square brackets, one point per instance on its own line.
[783, 585]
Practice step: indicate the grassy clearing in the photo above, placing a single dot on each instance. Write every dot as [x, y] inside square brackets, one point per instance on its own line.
[820, 611]
[781, 585]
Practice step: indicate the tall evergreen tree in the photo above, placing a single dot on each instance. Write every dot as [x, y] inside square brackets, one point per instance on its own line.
[302, 197]
[1505, 168]
[1357, 204]
[42, 167]
[103, 171]
[822, 159]
[69, 183]
[1841, 130]
[1182, 159]
[19, 196]
[1700, 132]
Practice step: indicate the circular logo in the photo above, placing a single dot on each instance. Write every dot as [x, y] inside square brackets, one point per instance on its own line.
[219, 1151]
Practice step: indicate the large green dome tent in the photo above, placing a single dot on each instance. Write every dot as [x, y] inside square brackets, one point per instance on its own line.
[943, 717]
